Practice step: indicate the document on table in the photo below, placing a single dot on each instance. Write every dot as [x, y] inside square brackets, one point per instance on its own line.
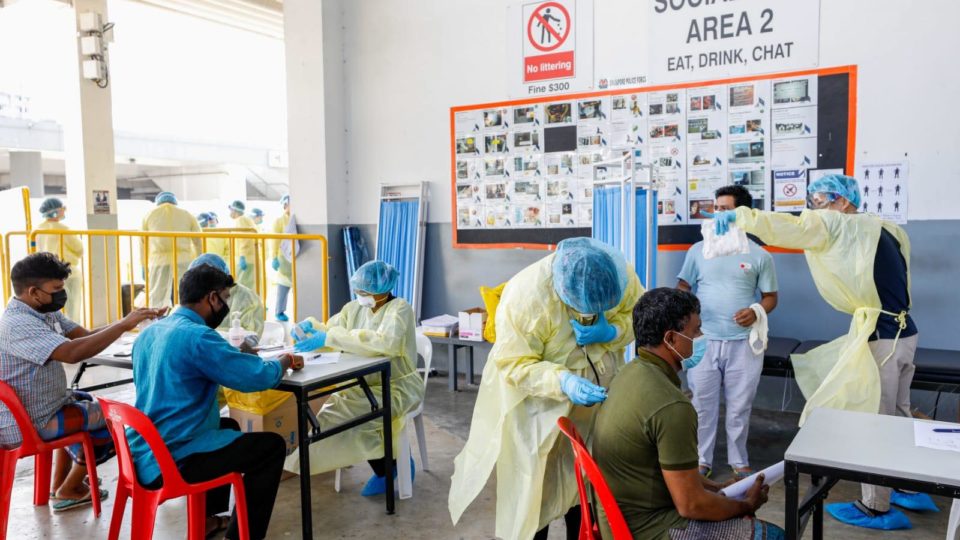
[925, 436]
[738, 490]
[309, 359]
[319, 359]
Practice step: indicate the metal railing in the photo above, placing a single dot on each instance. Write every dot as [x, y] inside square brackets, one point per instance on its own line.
[111, 242]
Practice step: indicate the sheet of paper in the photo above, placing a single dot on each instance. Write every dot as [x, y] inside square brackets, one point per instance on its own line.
[884, 187]
[274, 353]
[441, 320]
[738, 490]
[319, 359]
[923, 435]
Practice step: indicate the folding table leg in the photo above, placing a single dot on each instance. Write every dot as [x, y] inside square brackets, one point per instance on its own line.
[792, 507]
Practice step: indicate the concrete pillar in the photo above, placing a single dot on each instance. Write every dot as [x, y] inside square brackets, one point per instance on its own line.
[90, 166]
[313, 38]
[26, 169]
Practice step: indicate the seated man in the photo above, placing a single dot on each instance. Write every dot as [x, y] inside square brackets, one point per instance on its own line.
[36, 339]
[243, 301]
[178, 365]
[645, 439]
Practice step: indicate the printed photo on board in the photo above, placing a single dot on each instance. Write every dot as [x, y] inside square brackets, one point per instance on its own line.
[524, 115]
[492, 118]
[791, 91]
[741, 96]
[559, 113]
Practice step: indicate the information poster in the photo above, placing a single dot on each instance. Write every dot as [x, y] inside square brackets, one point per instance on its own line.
[532, 165]
[883, 186]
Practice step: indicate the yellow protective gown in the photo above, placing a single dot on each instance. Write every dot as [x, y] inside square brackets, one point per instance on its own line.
[168, 218]
[73, 254]
[285, 270]
[358, 330]
[249, 306]
[248, 250]
[515, 419]
[840, 250]
[218, 246]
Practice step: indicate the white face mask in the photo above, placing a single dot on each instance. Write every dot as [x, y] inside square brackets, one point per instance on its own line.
[366, 301]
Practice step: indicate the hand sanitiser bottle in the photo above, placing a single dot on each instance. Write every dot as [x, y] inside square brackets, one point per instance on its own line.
[235, 337]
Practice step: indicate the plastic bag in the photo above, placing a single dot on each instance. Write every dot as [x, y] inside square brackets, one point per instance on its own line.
[735, 242]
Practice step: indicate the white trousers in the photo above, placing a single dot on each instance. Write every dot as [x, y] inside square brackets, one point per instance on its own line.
[732, 369]
[896, 374]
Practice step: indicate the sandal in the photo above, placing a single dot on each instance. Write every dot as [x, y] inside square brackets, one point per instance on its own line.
[705, 471]
[103, 494]
[742, 472]
[222, 523]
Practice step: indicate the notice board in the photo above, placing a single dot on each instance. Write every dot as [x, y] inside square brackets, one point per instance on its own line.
[521, 171]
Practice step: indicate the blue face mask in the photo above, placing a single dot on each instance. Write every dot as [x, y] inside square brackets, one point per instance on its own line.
[699, 349]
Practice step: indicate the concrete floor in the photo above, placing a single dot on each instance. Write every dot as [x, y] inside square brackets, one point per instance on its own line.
[348, 515]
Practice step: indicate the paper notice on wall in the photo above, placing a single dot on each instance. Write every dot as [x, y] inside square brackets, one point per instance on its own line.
[883, 187]
[789, 190]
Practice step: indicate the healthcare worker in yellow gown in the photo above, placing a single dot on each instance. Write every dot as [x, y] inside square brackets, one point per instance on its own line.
[562, 327]
[375, 324]
[861, 266]
[54, 211]
[217, 246]
[246, 250]
[279, 262]
[243, 301]
[167, 217]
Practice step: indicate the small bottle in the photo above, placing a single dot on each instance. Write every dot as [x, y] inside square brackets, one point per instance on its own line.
[235, 337]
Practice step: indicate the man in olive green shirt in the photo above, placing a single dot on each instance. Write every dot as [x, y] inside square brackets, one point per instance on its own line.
[645, 438]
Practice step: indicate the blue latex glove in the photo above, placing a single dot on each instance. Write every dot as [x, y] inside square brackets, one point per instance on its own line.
[316, 341]
[722, 220]
[275, 263]
[303, 331]
[599, 332]
[580, 390]
[242, 264]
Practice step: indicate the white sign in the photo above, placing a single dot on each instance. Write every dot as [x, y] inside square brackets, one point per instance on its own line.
[700, 40]
[883, 188]
[550, 47]
[789, 190]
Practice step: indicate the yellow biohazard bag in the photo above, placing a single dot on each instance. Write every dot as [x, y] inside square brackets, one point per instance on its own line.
[491, 299]
[256, 402]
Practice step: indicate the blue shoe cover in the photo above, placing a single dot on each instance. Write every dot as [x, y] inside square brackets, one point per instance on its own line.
[377, 485]
[918, 502]
[851, 515]
[282, 317]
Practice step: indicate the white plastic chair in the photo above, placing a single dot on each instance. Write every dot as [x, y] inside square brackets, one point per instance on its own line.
[415, 417]
[273, 334]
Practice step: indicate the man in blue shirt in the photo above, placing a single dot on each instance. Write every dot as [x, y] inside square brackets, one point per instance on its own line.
[178, 365]
[727, 288]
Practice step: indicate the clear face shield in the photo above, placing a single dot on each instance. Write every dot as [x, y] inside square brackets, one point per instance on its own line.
[820, 201]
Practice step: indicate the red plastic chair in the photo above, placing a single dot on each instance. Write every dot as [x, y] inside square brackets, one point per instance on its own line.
[42, 452]
[145, 501]
[583, 462]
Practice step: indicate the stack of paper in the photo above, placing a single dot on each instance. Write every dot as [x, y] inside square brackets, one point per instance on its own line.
[442, 326]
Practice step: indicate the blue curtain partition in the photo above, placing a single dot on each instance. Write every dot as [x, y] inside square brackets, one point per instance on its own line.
[397, 243]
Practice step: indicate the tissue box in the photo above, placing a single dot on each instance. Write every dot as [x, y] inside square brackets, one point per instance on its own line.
[471, 324]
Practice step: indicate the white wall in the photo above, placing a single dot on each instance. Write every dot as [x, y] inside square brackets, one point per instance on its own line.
[407, 63]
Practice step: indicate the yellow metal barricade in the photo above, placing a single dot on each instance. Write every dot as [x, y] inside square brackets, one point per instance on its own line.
[112, 282]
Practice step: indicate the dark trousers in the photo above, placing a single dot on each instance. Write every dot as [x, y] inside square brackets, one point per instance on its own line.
[571, 519]
[258, 457]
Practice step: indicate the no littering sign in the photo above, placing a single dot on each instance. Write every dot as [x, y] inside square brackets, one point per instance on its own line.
[549, 41]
